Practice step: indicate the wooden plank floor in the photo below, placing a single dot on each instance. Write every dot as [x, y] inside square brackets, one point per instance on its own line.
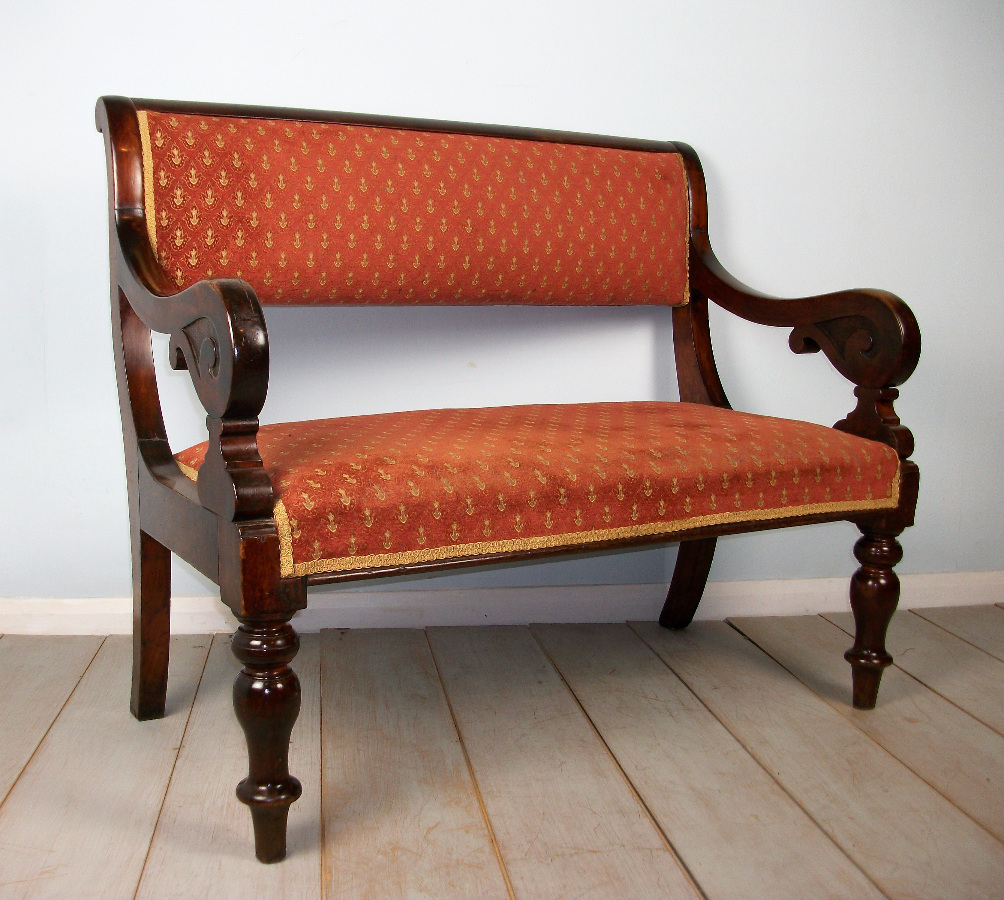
[553, 761]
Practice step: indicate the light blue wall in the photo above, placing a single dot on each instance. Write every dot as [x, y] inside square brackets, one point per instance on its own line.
[846, 144]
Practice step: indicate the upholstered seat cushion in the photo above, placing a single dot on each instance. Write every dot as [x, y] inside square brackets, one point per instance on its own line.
[371, 491]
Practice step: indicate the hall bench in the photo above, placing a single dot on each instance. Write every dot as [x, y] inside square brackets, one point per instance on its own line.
[216, 210]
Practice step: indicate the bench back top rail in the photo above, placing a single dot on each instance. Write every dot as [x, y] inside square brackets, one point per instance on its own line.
[330, 208]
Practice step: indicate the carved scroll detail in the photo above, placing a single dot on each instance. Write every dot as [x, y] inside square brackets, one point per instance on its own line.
[845, 341]
[197, 348]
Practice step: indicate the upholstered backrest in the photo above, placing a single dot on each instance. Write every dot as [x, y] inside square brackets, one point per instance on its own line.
[323, 213]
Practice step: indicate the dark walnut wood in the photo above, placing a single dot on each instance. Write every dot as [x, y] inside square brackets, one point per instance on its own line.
[267, 701]
[223, 525]
[690, 577]
[872, 338]
[874, 594]
[151, 627]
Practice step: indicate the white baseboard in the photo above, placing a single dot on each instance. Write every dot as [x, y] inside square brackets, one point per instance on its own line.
[499, 606]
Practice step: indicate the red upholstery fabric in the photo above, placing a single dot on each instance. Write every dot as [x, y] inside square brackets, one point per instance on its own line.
[320, 213]
[370, 491]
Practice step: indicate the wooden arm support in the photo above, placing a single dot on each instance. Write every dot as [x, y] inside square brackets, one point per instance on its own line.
[871, 337]
[217, 328]
[217, 332]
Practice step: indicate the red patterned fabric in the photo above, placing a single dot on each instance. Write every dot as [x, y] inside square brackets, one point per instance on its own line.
[370, 491]
[320, 213]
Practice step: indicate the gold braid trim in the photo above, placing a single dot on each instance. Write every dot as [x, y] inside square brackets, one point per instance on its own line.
[346, 563]
[686, 240]
[190, 473]
[150, 209]
[286, 567]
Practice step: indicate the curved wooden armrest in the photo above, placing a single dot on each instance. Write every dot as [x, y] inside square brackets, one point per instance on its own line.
[218, 334]
[217, 331]
[217, 327]
[871, 337]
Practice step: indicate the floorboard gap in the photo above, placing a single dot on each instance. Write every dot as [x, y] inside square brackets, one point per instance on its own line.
[470, 770]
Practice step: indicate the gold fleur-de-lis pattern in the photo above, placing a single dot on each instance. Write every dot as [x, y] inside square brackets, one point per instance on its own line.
[321, 213]
[390, 489]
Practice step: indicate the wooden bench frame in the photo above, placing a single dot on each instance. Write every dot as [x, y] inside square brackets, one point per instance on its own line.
[223, 525]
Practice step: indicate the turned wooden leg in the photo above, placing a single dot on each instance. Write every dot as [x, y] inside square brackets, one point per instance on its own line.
[151, 626]
[693, 563]
[874, 595]
[267, 701]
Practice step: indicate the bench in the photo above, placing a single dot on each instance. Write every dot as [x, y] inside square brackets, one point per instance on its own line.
[216, 210]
